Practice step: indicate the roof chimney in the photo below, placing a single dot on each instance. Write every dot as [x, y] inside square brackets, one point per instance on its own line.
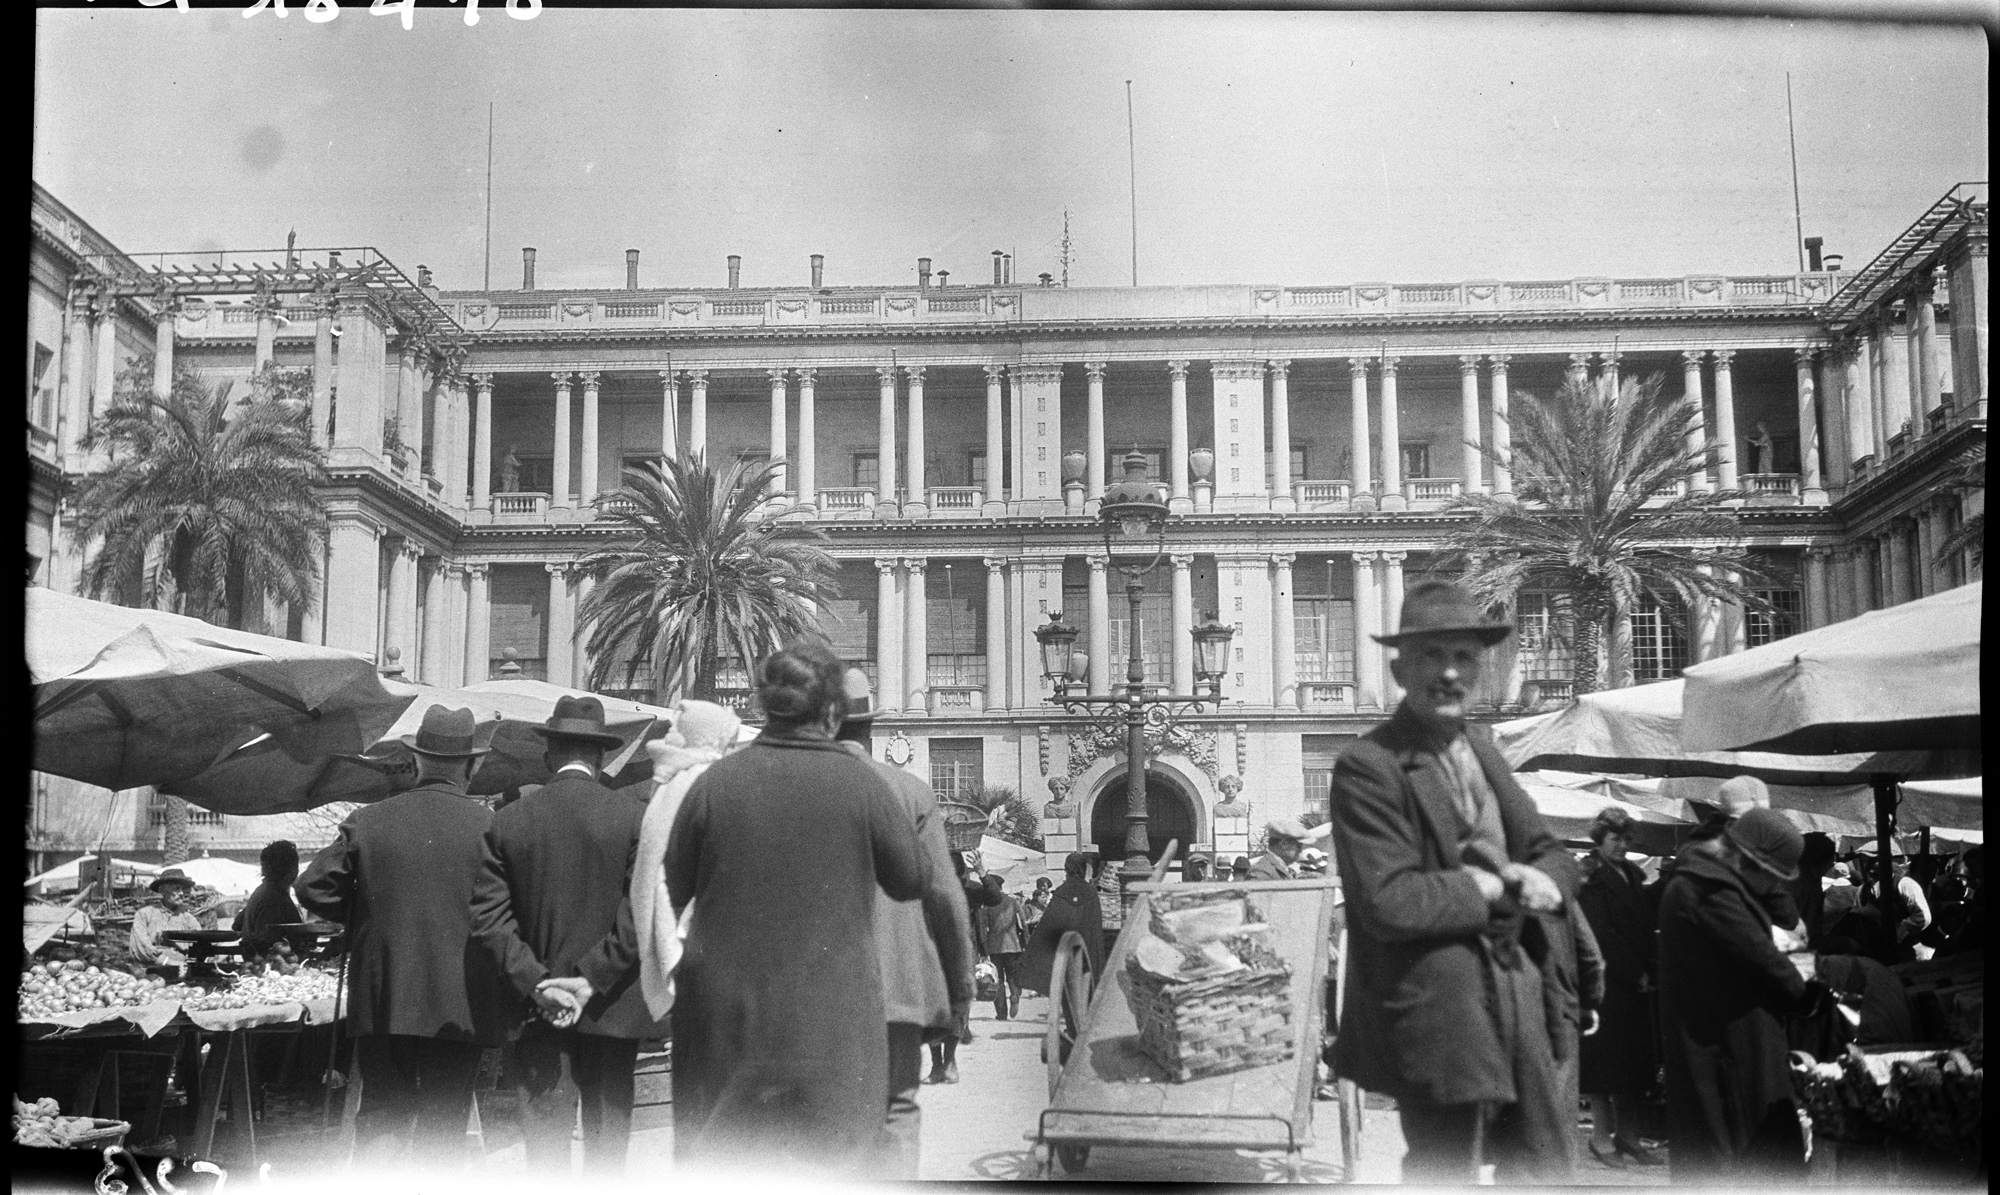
[527, 269]
[1833, 261]
[631, 269]
[1010, 269]
[923, 273]
[1046, 279]
[999, 268]
[1812, 252]
[944, 278]
[423, 277]
[735, 270]
[819, 268]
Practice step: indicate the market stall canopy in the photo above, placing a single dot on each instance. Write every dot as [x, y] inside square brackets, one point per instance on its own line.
[126, 697]
[1638, 731]
[1904, 678]
[509, 710]
[1017, 866]
[66, 877]
[1944, 804]
[226, 876]
[303, 766]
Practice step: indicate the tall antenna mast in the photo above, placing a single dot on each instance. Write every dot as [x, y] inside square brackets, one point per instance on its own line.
[1064, 257]
[487, 284]
[1798, 221]
[1132, 159]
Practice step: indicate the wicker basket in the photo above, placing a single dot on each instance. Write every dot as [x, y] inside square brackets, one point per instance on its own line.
[964, 825]
[106, 1132]
[1211, 1026]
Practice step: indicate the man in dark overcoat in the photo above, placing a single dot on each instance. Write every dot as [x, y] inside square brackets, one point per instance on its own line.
[923, 947]
[551, 886]
[1449, 872]
[1073, 907]
[423, 999]
[1724, 985]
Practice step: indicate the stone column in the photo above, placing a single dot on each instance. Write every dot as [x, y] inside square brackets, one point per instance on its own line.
[1707, 636]
[587, 462]
[1725, 419]
[1182, 646]
[1698, 434]
[325, 308]
[478, 623]
[1180, 500]
[1856, 367]
[435, 637]
[1281, 436]
[996, 627]
[402, 629]
[453, 628]
[163, 347]
[482, 444]
[1101, 664]
[1735, 626]
[579, 669]
[410, 407]
[1093, 469]
[1897, 388]
[1392, 617]
[780, 433]
[1579, 368]
[448, 456]
[1468, 422]
[354, 555]
[1867, 574]
[807, 472]
[916, 494]
[1929, 387]
[1503, 429]
[1812, 487]
[107, 355]
[1284, 653]
[1392, 440]
[888, 637]
[266, 307]
[886, 504]
[916, 640]
[77, 410]
[996, 452]
[561, 496]
[1818, 595]
[562, 625]
[1966, 278]
[670, 402]
[1834, 455]
[698, 412]
[1609, 364]
[1367, 624]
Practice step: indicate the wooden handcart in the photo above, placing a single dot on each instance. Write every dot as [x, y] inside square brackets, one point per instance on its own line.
[1105, 1090]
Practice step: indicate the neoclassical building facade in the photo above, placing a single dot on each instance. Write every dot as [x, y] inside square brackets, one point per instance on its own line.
[951, 442]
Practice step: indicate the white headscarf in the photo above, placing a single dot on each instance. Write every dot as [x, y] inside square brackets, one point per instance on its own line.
[703, 733]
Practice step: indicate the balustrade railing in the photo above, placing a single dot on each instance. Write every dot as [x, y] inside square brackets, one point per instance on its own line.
[610, 505]
[525, 311]
[970, 301]
[1321, 493]
[1326, 696]
[851, 306]
[1433, 489]
[520, 507]
[731, 307]
[1772, 485]
[631, 310]
[847, 500]
[957, 699]
[962, 498]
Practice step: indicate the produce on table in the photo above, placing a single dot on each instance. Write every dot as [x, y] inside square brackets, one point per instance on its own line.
[74, 985]
[1935, 1098]
[298, 986]
[42, 1124]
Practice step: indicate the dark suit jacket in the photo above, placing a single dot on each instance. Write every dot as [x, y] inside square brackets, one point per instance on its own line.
[399, 877]
[1415, 1022]
[551, 885]
[922, 946]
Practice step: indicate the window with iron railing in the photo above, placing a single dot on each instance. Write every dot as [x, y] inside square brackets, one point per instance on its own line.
[1323, 639]
[957, 625]
[1659, 640]
[1155, 639]
[957, 671]
[1782, 620]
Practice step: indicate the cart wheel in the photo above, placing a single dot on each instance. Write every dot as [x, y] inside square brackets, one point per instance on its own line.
[1073, 1157]
[1069, 997]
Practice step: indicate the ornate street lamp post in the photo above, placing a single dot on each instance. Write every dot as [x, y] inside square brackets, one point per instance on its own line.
[1134, 512]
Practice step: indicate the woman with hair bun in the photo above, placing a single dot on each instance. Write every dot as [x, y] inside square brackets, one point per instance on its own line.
[1620, 1059]
[778, 1059]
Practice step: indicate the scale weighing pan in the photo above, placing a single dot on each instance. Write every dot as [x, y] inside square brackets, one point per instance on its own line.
[304, 927]
[210, 937]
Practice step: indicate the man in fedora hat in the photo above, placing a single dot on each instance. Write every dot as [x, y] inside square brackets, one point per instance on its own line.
[550, 891]
[422, 999]
[1284, 839]
[923, 947]
[1448, 872]
[176, 893]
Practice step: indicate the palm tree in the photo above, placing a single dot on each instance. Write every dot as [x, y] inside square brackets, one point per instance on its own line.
[1008, 817]
[702, 579]
[1588, 464]
[207, 507]
[1968, 473]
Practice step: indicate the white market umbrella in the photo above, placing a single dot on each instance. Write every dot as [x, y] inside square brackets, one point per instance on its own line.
[67, 877]
[226, 876]
[126, 697]
[1901, 679]
[1017, 866]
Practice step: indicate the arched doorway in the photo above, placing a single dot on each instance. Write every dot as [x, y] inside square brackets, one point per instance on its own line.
[1170, 816]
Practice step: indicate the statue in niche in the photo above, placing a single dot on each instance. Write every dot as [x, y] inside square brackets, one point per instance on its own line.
[1762, 459]
[510, 472]
[1345, 469]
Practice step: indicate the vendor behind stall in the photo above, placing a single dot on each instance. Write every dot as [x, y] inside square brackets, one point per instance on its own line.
[173, 912]
[271, 904]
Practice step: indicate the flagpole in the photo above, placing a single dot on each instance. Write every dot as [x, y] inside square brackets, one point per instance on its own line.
[487, 283]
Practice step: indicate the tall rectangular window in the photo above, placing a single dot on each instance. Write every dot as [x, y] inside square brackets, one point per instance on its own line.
[1323, 638]
[851, 627]
[867, 470]
[958, 768]
[519, 596]
[1783, 620]
[1542, 629]
[1659, 640]
[1416, 461]
[1297, 458]
[955, 603]
[1155, 638]
[1114, 469]
[1318, 752]
[975, 467]
[42, 398]
[536, 474]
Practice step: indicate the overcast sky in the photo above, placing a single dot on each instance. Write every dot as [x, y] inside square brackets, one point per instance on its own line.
[1293, 148]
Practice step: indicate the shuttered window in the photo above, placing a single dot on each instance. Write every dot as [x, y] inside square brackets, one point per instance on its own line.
[520, 600]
